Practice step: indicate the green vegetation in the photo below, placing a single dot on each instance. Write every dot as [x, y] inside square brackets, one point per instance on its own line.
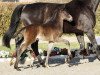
[73, 45]
[8, 49]
[43, 46]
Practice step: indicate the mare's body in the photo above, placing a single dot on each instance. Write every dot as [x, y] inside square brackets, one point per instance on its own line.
[82, 11]
[49, 29]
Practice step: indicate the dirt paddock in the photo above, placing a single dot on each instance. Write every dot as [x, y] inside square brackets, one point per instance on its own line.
[90, 66]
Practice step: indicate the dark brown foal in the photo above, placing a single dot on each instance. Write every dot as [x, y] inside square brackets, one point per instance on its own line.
[51, 31]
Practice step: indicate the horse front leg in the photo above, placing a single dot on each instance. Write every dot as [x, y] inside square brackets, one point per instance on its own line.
[50, 46]
[92, 39]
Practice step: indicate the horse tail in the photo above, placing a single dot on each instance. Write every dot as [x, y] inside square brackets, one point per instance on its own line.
[20, 31]
[15, 19]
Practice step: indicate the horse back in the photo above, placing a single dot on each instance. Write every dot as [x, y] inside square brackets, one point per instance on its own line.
[39, 12]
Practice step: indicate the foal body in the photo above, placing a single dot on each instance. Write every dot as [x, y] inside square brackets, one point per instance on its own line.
[49, 31]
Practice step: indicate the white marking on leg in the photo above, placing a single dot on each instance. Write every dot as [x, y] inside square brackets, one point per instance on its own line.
[50, 46]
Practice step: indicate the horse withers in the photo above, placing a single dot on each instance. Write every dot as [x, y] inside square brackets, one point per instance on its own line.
[50, 31]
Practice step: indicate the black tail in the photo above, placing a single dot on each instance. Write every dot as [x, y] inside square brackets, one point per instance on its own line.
[15, 19]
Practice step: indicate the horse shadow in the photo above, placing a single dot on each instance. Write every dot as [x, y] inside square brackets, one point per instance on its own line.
[74, 62]
[77, 61]
[55, 61]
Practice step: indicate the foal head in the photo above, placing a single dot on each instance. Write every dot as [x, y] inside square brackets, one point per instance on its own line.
[66, 16]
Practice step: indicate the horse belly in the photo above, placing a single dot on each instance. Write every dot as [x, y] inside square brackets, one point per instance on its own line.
[41, 37]
[47, 37]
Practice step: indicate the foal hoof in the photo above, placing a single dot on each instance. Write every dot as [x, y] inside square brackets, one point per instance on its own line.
[11, 63]
[68, 59]
[98, 57]
[46, 66]
[17, 69]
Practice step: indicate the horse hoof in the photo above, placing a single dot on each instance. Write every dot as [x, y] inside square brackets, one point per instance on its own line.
[17, 69]
[46, 66]
[68, 60]
[98, 57]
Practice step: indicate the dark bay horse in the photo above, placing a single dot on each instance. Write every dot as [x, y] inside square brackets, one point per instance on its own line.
[50, 30]
[84, 21]
[82, 11]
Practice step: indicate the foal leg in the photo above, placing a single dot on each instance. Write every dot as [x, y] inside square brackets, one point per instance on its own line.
[12, 58]
[35, 49]
[23, 47]
[18, 41]
[91, 37]
[50, 46]
[19, 52]
[68, 51]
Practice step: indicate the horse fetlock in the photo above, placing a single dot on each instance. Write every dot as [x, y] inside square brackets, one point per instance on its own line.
[46, 65]
[68, 59]
[15, 67]
[98, 54]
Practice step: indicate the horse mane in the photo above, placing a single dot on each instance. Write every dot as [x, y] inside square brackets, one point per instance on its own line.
[51, 18]
[82, 3]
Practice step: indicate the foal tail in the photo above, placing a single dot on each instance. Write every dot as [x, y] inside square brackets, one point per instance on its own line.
[18, 32]
[15, 19]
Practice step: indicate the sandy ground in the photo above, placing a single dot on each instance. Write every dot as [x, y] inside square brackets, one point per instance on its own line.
[57, 67]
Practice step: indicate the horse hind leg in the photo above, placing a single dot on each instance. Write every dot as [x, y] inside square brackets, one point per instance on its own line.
[69, 57]
[22, 48]
[12, 58]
